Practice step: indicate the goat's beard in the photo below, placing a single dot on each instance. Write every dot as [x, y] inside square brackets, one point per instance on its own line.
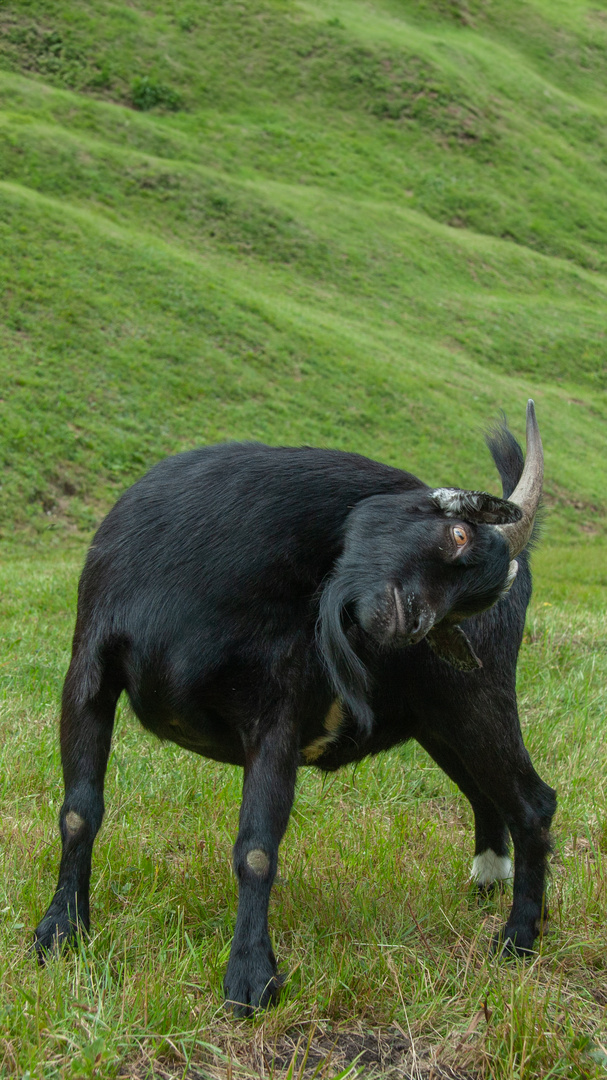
[349, 675]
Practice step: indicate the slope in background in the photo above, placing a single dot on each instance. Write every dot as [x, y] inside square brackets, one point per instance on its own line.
[364, 225]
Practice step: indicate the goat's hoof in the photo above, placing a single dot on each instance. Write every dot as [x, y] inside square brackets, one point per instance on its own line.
[251, 984]
[53, 933]
[513, 943]
[489, 890]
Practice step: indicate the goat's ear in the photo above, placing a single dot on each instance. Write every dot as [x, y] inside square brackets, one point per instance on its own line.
[476, 506]
[450, 643]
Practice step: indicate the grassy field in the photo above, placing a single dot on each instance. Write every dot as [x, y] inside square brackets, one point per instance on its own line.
[364, 225]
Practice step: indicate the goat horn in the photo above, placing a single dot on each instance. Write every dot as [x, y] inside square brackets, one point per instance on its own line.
[528, 491]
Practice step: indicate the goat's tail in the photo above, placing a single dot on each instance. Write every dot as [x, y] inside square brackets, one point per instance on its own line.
[507, 455]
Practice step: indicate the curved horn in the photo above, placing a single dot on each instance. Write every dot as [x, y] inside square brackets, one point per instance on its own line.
[528, 491]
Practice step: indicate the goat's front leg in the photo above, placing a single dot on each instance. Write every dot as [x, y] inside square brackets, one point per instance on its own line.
[251, 979]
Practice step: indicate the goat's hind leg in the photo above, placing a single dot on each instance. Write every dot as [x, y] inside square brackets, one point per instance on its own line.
[530, 830]
[491, 864]
[496, 759]
[87, 719]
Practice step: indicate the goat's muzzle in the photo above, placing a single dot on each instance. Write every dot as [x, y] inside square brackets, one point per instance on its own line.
[407, 623]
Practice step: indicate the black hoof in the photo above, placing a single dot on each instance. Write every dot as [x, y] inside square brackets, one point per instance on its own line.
[53, 933]
[250, 984]
[492, 889]
[487, 892]
[511, 943]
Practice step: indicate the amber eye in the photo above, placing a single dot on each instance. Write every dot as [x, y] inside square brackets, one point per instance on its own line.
[459, 535]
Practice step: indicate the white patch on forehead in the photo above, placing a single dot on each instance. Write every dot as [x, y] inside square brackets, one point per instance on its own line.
[73, 821]
[488, 867]
[258, 861]
[448, 499]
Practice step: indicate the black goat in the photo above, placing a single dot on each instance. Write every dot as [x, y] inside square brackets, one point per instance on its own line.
[270, 607]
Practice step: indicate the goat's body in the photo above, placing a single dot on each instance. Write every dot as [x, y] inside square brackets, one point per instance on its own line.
[200, 598]
[185, 681]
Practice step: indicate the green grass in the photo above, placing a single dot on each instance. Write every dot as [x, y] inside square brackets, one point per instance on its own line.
[373, 916]
[364, 225]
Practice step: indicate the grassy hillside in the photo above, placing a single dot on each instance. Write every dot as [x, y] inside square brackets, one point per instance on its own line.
[364, 225]
[359, 226]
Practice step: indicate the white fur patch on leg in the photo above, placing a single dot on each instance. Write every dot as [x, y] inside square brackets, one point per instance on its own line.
[488, 867]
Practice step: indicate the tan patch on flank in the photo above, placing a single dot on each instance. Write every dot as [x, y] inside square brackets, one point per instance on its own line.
[332, 724]
[73, 821]
[258, 861]
[334, 718]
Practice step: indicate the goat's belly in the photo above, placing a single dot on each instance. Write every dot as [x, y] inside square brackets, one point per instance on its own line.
[204, 735]
[202, 739]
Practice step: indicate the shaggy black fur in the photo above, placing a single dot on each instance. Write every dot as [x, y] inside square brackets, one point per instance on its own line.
[237, 591]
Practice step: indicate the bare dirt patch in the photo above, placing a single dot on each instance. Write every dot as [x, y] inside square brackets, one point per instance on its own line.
[304, 1054]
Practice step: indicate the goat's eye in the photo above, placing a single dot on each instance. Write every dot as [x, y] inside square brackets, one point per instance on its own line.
[459, 535]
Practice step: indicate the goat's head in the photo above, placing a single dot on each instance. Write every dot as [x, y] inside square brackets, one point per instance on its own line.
[416, 563]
